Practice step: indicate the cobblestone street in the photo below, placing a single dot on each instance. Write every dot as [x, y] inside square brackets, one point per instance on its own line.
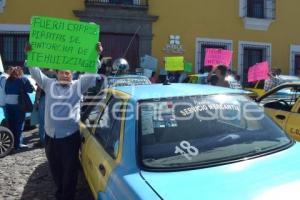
[25, 175]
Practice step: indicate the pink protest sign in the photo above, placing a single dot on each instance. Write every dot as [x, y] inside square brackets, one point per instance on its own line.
[258, 72]
[217, 57]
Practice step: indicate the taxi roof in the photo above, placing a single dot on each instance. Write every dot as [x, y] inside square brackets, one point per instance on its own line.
[140, 92]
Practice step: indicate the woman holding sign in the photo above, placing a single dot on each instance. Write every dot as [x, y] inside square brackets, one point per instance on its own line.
[219, 72]
[62, 115]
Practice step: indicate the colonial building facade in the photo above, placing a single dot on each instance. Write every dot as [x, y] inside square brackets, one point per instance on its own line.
[126, 26]
[255, 30]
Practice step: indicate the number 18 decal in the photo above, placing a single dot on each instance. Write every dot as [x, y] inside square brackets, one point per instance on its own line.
[190, 150]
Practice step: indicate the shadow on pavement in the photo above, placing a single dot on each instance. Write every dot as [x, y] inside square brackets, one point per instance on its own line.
[40, 186]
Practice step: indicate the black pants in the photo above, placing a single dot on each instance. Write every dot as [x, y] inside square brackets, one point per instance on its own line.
[62, 155]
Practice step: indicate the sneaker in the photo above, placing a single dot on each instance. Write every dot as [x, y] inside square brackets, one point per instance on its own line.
[23, 146]
[19, 149]
[38, 145]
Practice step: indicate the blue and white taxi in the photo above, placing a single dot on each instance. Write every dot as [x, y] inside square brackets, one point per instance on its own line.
[185, 141]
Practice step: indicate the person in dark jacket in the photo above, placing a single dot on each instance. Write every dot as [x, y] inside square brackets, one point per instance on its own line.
[15, 84]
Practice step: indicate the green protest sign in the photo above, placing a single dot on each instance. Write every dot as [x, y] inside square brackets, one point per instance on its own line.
[188, 67]
[174, 63]
[63, 44]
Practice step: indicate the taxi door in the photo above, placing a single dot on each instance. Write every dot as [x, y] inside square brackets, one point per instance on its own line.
[104, 145]
[279, 116]
[293, 124]
[87, 128]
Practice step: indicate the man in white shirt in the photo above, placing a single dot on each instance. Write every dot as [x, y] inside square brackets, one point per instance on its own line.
[62, 115]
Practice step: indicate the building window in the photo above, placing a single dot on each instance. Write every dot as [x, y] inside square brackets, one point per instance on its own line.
[257, 14]
[255, 8]
[204, 43]
[251, 53]
[261, 9]
[174, 39]
[295, 60]
[12, 48]
[297, 65]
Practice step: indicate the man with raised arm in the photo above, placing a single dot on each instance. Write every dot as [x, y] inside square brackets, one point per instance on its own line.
[62, 115]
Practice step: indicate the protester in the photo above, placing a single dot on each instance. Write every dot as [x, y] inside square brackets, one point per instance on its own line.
[201, 71]
[62, 115]
[76, 75]
[273, 79]
[14, 86]
[182, 77]
[102, 67]
[40, 106]
[278, 71]
[20, 71]
[173, 77]
[3, 78]
[206, 69]
[213, 79]
[238, 78]
[220, 71]
[153, 77]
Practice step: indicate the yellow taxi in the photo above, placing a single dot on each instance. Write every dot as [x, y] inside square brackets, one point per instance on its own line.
[258, 87]
[198, 78]
[202, 79]
[282, 104]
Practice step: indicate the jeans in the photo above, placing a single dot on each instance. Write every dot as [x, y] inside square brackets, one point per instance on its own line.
[42, 119]
[15, 119]
[62, 155]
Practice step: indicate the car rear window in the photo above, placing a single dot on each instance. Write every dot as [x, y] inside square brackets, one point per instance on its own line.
[201, 130]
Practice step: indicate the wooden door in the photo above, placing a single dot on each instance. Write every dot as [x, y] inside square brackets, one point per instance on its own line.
[121, 45]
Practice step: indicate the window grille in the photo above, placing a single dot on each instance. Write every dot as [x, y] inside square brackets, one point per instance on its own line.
[250, 55]
[264, 9]
[12, 47]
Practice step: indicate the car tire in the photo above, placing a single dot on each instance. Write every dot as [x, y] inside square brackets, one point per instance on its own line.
[4, 123]
[6, 141]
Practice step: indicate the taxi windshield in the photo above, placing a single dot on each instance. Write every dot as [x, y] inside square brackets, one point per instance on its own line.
[205, 130]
